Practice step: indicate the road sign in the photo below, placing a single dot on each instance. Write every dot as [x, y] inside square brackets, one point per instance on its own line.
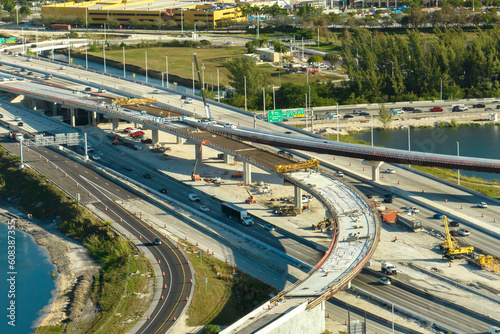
[133, 74]
[299, 113]
[275, 116]
[288, 113]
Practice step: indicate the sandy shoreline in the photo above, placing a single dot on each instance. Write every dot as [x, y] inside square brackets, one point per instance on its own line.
[72, 260]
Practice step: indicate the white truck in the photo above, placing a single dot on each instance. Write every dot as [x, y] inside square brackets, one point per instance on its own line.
[409, 222]
[389, 269]
[234, 212]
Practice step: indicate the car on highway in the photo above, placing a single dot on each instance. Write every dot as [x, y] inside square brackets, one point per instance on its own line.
[417, 111]
[17, 118]
[339, 174]
[127, 168]
[147, 176]
[384, 280]
[482, 205]
[156, 91]
[96, 157]
[357, 111]
[454, 223]
[397, 111]
[30, 73]
[285, 154]
[494, 330]
[20, 124]
[463, 232]
[102, 90]
[390, 171]
[488, 109]
[1, 64]
[479, 105]
[436, 109]
[1, 115]
[414, 209]
[87, 89]
[288, 132]
[194, 197]
[459, 108]
[388, 200]
[408, 108]
[183, 97]
[333, 115]
[364, 114]
[188, 100]
[438, 216]
[163, 190]
[128, 129]
[157, 241]
[389, 195]
[37, 77]
[348, 116]
[204, 208]
[269, 227]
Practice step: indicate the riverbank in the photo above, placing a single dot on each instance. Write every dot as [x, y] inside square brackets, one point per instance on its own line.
[75, 267]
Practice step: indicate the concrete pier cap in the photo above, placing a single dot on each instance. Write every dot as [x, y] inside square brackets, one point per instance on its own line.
[375, 168]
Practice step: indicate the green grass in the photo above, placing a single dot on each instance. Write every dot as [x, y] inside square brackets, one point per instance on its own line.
[227, 297]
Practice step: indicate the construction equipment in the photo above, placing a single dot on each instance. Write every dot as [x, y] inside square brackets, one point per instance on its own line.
[250, 199]
[205, 105]
[287, 210]
[194, 176]
[389, 215]
[486, 262]
[313, 163]
[237, 175]
[324, 225]
[133, 101]
[451, 249]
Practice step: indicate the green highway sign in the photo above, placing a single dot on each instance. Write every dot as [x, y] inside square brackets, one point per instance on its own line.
[275, 116]
[288, 113]
[299, 113]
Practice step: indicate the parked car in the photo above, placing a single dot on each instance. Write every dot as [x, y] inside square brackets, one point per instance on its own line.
[436, 109]
[479, 105]
[482, 205]
[438, 216]
[463, 232]
[384, 280]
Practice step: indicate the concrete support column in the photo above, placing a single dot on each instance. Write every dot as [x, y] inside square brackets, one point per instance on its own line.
[115, 122]
[72, 117]
[247, 173]
[297, 192]
[93, 116]
[54, 109]
[198, 148]
[179, 140]
[375, 168]
[155, 137]
[228, 158]
[33, 104]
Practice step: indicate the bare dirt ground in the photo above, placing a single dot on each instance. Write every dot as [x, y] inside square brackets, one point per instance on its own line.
[75, 270]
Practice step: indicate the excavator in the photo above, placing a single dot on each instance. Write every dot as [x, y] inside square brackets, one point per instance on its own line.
[450, 247]
[250, 199]
[194, 176]
[323, 225]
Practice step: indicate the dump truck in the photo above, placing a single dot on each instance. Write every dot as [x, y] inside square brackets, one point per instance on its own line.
[409, 222]
[234, 212]
[389, 215]
[389, 269]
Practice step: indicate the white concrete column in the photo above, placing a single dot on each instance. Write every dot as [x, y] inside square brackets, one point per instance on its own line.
[72, 117]
[375, 168]
[115, 122]
[247, 173]
[179, 140]
[54, 109]
[94, 117]
[228, 158]
[155, 137]
[297, 192]
[33, 104]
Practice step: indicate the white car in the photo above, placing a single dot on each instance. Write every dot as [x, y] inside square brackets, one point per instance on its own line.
[390, 171]
[463, 232]
[339, 174]
[307, 199]
[204, 208]
[482, 205]
[17, 118]
[96, 157]
[188, 100]
[414, 209]
[194, 197]
[384, 280]
[269, 227]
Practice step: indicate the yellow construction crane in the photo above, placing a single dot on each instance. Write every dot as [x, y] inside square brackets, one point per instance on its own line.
[451, 249]
[313, 163]
[133, 101]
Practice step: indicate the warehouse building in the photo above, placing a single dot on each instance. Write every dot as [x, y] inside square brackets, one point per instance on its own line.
[99, 12]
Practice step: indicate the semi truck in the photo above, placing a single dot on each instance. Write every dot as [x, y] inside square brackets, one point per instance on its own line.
[15, 135]
[389, 269]
[234, 212]
[57, 26]
[409, 222]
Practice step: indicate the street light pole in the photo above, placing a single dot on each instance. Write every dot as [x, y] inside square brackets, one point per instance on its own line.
[306, 111]
[245, 83]
[218, 87]
[166, 64]
[264, 99]
[203, 75]
[182, 21]
[458, 154]
[192, 67]
[146, 66]
[104, 51]
[441, 95]
[124, 72]
[274, 99]
[337, 122]
[371, 116]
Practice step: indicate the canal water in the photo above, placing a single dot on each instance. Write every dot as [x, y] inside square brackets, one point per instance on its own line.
[477, 142]
[32, 278]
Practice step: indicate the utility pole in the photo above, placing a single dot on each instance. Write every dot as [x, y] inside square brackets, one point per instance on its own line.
[218, 87]
[166, 64]
[245, 83]
[146, 65]
[124, 73]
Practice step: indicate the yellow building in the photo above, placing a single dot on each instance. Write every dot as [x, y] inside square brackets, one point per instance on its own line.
[99, 12]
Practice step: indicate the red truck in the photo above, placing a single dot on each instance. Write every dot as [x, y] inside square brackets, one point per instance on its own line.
[57, 26]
